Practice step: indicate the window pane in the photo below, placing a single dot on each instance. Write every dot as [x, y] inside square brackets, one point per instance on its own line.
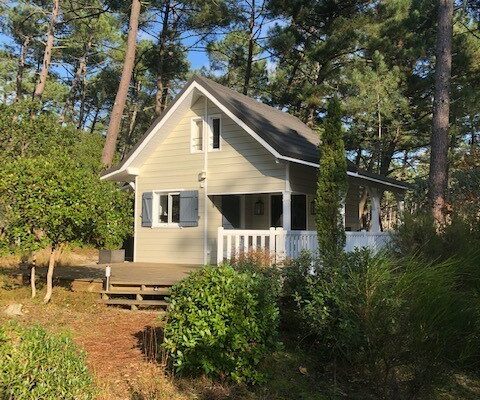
[216, 133]
[175, 207]
[163, 208]
[197, 137]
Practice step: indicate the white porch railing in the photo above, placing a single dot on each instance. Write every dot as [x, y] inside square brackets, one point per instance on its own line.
[281, 243]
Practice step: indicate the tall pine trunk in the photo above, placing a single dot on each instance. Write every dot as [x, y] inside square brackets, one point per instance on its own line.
[121, 97]
[77, 84]
[47, 55]
[441, 109]
[159, 105]
[21, 68]
[251, 44]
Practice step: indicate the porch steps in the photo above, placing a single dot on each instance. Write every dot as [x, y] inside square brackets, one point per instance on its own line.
[134, 295]
[161, 291]
[134, 304]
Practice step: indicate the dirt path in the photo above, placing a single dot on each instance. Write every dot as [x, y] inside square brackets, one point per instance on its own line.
[114, 340]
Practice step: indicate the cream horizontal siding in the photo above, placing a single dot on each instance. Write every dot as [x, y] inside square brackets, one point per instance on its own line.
[241, 164]
[172, 167]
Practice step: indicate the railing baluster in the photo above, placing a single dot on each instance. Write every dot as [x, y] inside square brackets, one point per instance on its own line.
[229, 247]
[237, 245]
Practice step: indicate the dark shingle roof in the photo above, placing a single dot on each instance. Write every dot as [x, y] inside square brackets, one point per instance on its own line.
[281, 130]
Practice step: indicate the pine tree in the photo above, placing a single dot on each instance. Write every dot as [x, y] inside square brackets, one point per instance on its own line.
[441, 111]
[331, 186]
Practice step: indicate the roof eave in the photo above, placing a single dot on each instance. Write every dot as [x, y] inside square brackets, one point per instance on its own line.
[120, 175]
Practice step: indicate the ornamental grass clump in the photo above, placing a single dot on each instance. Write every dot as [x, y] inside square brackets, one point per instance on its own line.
[222, 323]
[35, 364]
[396, 324]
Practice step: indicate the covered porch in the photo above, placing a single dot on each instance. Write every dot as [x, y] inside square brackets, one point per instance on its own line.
[283, 223]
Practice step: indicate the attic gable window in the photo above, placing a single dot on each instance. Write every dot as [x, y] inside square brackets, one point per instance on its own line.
[215, 124]
[196, 138]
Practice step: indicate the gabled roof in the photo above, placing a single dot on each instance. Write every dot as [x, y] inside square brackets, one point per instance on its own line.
[283, 134]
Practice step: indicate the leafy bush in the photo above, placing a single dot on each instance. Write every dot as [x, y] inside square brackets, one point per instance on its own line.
[397, 323]
[38, 365]
[47, 201]
[221, 323]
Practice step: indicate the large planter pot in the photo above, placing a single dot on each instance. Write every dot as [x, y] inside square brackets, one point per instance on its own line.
[111, 256]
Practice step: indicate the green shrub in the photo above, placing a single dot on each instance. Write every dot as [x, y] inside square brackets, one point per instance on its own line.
[221, 323]
[37, 365]
[418, 235]
[395, 322]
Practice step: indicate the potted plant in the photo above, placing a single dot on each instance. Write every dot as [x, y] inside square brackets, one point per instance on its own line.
[108, 256]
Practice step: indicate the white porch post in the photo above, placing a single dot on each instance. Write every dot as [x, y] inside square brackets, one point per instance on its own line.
[400, 197]
[220, 245]
[287, 211]
[342, 211]
[375, 217]
[287, 201]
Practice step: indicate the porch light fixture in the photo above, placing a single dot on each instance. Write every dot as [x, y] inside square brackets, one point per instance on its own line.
[312, 207]
[258, 207]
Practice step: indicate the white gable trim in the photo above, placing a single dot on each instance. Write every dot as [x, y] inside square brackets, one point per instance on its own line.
[238, 121]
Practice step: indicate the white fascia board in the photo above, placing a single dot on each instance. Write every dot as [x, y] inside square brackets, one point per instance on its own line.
[123, 173]
[298, 161]
[359, 176]
[109, 175]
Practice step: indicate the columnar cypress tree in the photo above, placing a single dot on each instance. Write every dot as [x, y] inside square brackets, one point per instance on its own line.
[331, 186]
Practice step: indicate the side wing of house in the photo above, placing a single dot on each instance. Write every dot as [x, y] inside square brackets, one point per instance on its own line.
[193, 162]
[303, 180]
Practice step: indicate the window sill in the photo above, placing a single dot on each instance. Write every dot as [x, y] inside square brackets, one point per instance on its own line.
[170, 226]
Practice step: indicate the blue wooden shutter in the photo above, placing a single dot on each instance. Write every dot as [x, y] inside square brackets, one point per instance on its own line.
[189, 208]
[147, 198]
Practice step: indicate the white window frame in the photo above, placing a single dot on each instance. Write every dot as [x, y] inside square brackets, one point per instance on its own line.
[193, 127]
[156, 205]
[210, 132]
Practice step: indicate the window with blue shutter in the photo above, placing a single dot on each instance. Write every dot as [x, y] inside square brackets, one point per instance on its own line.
[189, 208]
[147, 200]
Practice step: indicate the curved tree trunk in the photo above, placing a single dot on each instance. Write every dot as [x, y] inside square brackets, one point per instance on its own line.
[121, 97]
[441, 109]
[32, 276]
[47, 55]
[54, 255]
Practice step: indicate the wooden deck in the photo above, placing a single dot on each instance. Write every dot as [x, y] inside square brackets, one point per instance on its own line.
[131, 284]
[149, 274]
[91, 277]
